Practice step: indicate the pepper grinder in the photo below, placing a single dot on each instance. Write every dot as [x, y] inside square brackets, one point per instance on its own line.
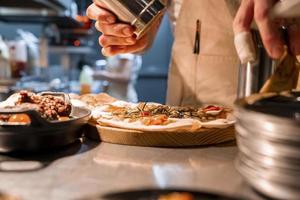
[139, 13]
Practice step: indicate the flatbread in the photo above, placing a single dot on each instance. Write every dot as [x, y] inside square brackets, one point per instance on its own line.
[94, 100]
[104, 116]
[109, 112]
[177, 125]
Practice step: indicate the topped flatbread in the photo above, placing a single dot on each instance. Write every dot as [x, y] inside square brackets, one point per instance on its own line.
[158, 117]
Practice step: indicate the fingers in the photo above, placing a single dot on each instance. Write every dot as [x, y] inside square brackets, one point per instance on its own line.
[113, 34]
[139, 46]
[244, 17]
[116, 38]
[118, 30]
[268, 29]
[100, 14]
[105, 41]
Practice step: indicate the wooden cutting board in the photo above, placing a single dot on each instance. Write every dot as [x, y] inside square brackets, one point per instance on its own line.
[159, 139]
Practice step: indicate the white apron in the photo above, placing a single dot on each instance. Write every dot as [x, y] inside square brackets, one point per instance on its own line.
[211, 75]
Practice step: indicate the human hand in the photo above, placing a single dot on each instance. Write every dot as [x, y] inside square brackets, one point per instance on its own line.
[117, 37]
[269, 29]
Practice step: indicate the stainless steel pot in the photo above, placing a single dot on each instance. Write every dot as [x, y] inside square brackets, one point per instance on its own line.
[268, 137]
[252, 75]
[267, 187]
[268, 131]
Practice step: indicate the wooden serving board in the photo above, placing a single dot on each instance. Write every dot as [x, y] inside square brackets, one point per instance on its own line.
[159, 139]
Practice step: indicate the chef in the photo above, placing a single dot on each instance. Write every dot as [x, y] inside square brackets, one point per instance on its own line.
[121, 72]
[204, 64]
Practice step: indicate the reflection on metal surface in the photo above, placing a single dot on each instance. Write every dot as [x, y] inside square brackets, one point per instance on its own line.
[168, 174]
[20, 165]
[113, 162]
[139, 167]
[268, 127]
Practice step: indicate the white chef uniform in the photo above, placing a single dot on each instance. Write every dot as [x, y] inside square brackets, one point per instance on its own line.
[211, 75]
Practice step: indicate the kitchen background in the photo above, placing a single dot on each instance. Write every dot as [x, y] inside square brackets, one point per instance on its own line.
[63, 41]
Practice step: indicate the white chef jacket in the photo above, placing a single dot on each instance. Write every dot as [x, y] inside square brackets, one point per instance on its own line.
[211, 75]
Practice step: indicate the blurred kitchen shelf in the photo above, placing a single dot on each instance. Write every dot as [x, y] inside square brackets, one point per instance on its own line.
[77, 31]
[49, 4]
[8, 82]
[38, 11]
[70, 50]
[61, 22]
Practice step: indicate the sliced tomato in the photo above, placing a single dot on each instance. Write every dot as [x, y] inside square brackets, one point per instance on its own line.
[155, 120]
[159, 120]
[212, 108]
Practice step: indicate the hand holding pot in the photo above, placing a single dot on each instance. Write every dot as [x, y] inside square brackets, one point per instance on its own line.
[117, 37]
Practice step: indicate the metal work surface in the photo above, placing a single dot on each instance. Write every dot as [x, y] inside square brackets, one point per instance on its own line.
[91, 170]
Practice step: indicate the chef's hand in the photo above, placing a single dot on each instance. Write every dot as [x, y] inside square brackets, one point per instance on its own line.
[269, 29]
[116, 38]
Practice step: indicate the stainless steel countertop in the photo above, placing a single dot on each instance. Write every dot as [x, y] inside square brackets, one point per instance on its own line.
[90, 170]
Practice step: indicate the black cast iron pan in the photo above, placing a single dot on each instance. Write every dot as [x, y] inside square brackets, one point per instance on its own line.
[155, 194]
[41, 134]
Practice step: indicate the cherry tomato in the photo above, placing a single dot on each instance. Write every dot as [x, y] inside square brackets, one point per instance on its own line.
[19, 118]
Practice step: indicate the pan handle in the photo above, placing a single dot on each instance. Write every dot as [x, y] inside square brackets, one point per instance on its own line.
[35, 117]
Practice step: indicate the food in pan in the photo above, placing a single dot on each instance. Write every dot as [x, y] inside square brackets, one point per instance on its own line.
[158, 117]
[48, 106]
[177, 196]
[285, 77]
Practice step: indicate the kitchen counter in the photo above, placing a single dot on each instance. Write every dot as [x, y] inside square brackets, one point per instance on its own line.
[90, 170]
